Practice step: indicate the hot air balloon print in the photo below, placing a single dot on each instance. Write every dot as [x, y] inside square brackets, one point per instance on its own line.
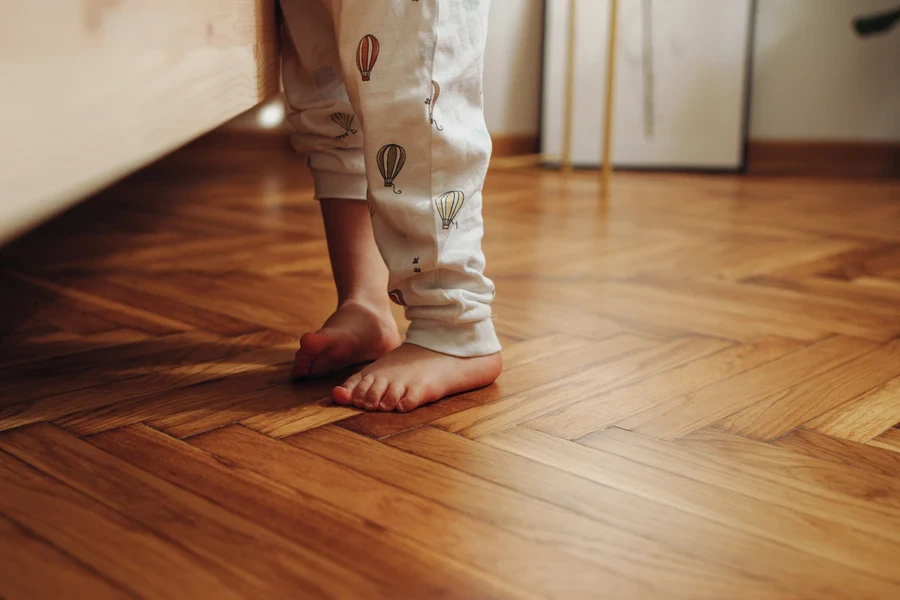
[448, 205]
[345, 120]
[435, 92]
[366, 55]
[390, 160]
[396, 297]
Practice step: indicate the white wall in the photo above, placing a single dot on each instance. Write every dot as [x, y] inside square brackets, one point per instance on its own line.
[815, 79]
[512, 70]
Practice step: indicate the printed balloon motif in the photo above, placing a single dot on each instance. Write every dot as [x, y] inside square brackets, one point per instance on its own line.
[366, 55]
[396, 297]
[344, 120]
[435, 92]
[448, 205]
[390, 161]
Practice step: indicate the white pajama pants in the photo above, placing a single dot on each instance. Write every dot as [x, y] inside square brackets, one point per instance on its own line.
[385, 97]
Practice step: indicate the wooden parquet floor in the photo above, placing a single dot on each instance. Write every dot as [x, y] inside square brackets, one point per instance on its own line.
[700, 395]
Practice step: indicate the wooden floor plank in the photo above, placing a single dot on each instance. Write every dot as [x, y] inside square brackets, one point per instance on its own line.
[706, 406]
[889, 440]
[82, 370]
[256, 299]
[194, 406]
[546, 571]
[108, 542]
[184, 312]
[39, 348]
[260, 560]
[606, 409]
[866, 293]
[785, 410]
[287, 421]
[27, 560]
[666, 314]
[878, 521]
[764, 303]
[865, 417]
[843, 452]
[211, 410]
[662, 481]
[229, 357]
[121, 314]
[608, 543]
[622, 370]
[801, 472]
[841, 265]
[737, 554]
[388, 559]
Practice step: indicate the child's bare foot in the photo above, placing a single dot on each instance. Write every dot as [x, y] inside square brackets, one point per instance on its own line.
[411, 376]
[358, 331]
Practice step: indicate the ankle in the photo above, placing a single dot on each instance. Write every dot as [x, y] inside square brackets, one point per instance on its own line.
[369, 299]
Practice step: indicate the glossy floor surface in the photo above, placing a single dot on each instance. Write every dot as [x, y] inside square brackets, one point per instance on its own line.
[701, 389]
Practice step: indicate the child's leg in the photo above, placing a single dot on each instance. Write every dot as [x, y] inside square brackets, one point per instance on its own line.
[328, 131]
[362, 328]
[413, 70]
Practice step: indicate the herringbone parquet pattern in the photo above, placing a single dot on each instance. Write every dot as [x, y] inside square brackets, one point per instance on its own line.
[701, 386]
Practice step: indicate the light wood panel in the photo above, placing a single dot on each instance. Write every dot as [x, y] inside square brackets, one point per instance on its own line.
[699, 396]
[104, 87]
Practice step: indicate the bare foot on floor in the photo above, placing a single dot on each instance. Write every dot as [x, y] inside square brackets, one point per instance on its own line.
[411, 376]
[357, 332]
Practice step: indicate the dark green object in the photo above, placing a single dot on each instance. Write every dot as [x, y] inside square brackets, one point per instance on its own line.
[875, 24]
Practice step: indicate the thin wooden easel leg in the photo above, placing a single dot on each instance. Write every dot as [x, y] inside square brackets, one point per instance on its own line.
[570, 92]
[610, 82]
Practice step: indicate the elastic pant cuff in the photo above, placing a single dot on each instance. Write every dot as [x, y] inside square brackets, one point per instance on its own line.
[329, 184]
[464, 340]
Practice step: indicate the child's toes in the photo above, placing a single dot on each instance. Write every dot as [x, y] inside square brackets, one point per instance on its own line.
[413, 398]
[360, 391]
[375, 394]
[302, 365]
[343, 394]
[315, 343]
[392, 396]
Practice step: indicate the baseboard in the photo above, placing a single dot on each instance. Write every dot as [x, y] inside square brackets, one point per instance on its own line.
[515, 144]
[824, 158]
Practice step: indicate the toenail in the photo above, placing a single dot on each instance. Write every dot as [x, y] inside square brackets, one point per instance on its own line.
[369, 406]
